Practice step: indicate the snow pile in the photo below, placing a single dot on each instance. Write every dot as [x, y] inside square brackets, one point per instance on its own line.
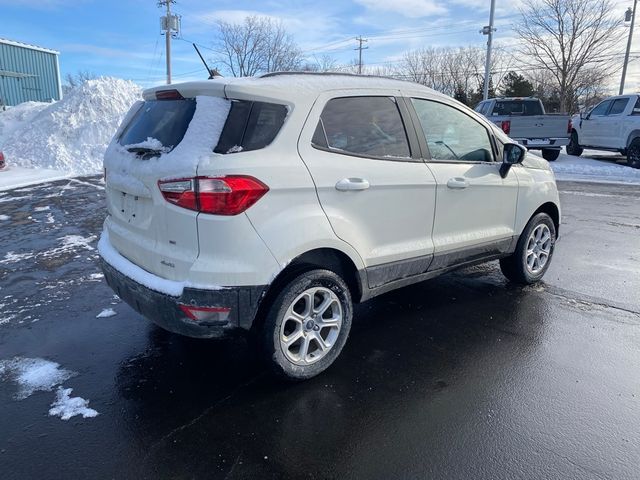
[600, 168]
[66, 406]
[33, 374]
[15, 118]
[70, 135]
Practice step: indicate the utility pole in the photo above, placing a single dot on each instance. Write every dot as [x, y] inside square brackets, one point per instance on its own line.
[360, 48]
[170, 25]
[629, 15]
[488, 30]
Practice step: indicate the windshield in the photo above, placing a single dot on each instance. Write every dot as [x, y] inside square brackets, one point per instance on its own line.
[161, 122]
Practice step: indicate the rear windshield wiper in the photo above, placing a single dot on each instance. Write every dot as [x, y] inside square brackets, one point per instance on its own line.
[145, 151]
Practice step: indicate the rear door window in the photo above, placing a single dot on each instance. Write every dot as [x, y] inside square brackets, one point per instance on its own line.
[163, 120]
[250, 126]
[618, 106]
[363, 126]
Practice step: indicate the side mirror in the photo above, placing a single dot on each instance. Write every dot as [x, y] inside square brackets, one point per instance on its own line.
[513, 155]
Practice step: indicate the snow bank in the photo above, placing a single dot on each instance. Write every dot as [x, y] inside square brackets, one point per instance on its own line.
[33, 374]
[15, 118]
[66, 406]
[600, 168]
[70, 135]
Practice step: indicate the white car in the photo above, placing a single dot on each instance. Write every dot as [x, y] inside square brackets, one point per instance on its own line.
[612, 125]
[270, 205]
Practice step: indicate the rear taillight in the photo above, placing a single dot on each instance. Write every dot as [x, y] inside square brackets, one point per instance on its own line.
[206, 314]
[505, 125]
[570, 126]
[214, 195]
[2, 160]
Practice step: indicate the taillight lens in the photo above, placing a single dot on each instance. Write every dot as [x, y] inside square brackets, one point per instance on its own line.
[214, 195]
[506, 126]
[570, 126]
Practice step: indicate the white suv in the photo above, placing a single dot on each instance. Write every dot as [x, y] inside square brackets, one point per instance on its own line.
[270, 205]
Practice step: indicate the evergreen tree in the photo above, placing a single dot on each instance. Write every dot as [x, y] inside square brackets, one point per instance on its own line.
[515, 85]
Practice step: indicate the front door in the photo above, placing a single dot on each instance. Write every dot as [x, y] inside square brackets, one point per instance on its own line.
[475, 207]
[377, 193]
[591, 127]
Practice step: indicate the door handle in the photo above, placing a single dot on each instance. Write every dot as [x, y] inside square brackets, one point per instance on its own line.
[352, 184]
[457, 183]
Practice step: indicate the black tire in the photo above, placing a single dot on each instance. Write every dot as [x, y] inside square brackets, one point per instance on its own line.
[550, 154]
[633, 153]
[279, 362]
[515, 266]
[574, 147]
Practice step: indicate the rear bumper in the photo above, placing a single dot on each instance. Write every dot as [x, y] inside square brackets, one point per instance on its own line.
[164, 310]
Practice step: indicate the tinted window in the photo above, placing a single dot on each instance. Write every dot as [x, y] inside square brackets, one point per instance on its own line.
[601, 109]
[250, 126]
[618, 106]
[451, 134]
[517, 107]
[163, 120]
[369, 126]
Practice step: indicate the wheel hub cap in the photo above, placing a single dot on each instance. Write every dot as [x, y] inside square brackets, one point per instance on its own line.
[539, 247]
[311, 326]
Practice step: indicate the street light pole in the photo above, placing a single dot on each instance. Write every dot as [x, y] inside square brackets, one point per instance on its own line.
[626, 56]
[487, 67]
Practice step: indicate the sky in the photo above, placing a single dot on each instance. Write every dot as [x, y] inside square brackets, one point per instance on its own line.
[122, 38]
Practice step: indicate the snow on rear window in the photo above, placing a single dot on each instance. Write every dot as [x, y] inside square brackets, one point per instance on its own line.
[165, 121]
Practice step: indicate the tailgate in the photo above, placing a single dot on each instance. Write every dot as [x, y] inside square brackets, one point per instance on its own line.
[164, 140]
[539, 126]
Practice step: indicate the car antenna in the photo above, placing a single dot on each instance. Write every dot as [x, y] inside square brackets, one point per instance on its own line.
[212, 72]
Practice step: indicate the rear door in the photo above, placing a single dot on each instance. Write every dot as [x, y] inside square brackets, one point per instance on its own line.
[476, 207]
[376, 191]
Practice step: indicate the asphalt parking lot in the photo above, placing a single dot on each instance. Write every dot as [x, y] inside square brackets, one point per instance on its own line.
[464, 376]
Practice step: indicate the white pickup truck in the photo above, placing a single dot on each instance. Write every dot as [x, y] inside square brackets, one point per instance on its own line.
[612, 125]
[525, 120]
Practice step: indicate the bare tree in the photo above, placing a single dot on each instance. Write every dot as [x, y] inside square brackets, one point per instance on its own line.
[322, 63]
[257, 45]
[454, 71]
[72, 80]
[567, 38]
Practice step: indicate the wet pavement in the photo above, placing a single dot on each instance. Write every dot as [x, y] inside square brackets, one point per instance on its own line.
[464, 376]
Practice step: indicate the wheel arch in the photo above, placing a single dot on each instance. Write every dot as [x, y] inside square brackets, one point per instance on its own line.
[632, 136]
[553, 211]
[325, 258]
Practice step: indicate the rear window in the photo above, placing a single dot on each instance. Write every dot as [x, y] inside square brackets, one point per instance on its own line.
[250, 126]
[517, 107]
[162, 120]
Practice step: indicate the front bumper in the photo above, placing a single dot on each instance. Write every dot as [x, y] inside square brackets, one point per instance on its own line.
[164, 310]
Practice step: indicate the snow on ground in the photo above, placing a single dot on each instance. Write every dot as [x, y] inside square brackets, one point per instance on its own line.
[17, 177]
[66, 406]
[43, 142]
[594, 166]
[106, 313]
[33, 374]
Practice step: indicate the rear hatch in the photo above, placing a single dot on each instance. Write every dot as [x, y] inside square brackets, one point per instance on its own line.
[160, 139]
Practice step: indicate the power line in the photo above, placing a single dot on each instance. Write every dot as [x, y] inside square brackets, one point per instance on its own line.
[360, 48]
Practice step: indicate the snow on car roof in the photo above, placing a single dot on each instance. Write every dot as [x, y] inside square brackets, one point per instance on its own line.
[291, 86]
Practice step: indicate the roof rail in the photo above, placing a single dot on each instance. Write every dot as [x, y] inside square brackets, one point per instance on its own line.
[341, 74]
